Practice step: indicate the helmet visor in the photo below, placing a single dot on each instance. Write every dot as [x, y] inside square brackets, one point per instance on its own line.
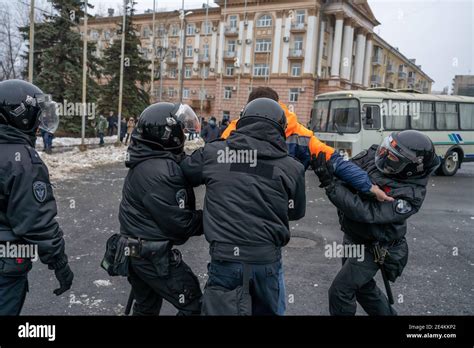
[188, 118]
[388, 160]
[49, 118]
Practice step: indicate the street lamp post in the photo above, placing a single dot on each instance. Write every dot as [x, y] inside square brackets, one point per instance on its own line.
[152, 87]
[122, 62]
[32, 41]
[84, 79]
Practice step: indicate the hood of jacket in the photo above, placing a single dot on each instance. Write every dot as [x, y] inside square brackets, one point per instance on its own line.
[139, 152]
[261, 136]
[11, 135]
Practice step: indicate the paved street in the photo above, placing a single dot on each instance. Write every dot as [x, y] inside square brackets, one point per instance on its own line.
[435, 282]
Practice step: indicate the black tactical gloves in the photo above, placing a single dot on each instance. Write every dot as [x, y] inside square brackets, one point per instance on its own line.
[323, 169]
[63, 274]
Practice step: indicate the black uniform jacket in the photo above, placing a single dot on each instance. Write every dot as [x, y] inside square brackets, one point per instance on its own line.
[27, 205]
[157, 204]
[365, 219]
[253, 187]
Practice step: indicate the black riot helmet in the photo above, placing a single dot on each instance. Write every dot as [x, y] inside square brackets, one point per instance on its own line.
[25, 107]
[162, 125]
[406, 154]
[264, 109]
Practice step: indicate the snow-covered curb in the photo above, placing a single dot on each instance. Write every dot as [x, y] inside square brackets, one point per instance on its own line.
[70, 164]
[60, 142]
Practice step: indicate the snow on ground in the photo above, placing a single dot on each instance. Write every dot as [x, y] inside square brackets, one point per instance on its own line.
[59, 142]
[70, 164]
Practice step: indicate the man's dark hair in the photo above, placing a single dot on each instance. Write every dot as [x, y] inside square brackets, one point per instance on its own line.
[263, 92]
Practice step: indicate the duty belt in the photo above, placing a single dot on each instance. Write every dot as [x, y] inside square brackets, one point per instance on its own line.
[261, 254]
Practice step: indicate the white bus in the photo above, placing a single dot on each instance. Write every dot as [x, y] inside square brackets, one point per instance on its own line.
[352, 121]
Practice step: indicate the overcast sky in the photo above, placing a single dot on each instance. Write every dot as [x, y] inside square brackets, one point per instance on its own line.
[438, 33]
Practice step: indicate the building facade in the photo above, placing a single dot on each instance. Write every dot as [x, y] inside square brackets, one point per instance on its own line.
[463, 85]
[315, 47]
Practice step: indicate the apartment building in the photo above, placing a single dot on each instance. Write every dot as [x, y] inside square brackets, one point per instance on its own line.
[300, 48]
[463, 85]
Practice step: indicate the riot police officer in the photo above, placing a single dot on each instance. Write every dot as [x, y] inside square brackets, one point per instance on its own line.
[253, 189]
[401, 166]
[27, 204]
[158, 211]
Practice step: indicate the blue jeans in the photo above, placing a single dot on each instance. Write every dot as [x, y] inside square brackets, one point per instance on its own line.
[101, 137]
[267, 285]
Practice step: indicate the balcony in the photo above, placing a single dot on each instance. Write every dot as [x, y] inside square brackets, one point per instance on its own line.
[390, 69]
[377, 60]
[231, 31]
[204, 59]
[296, 54]
[402, 75]
[376, 79]
[171, 60]
[230, 55]
[298, 28]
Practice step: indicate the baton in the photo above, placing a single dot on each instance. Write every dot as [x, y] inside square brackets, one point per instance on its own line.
[128, 309]
[388, 289]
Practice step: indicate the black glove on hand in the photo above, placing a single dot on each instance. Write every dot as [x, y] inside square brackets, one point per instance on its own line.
[64, 276]
[322, 169]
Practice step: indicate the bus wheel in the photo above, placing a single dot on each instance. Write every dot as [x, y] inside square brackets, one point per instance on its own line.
[450, 164]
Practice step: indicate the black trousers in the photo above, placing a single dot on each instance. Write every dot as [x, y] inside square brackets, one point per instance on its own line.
[180, 288]
[13, 285]
[355, 283]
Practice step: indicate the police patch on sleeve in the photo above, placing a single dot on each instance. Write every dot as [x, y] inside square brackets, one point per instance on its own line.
[40, 191]
[403, 207]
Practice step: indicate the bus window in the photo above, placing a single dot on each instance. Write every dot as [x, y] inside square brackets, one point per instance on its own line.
[371, 116]
[395, 114]
[422, 115]
[320, 116]
[467, 116]
[344, 116]
[446, 116]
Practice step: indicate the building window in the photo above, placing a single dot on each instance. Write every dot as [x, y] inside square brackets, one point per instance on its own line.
[186, 93]
[263, 45]
[260, 70]
[189, 51]
[231, 46]
[202, 94]
[300, 16]
[146, 32]
[187, 72]
[325, 47]
[173, 54]
[264, 21]
[205, 50]
[174, 30]
[294, 93]
[229, 70]
[205, 72]
[172, 73]
[296, 70]
[190, 29]
[298, 44]
[226, 115]
[227, 92]
[171, 92]
[233, 21]
[207, 28]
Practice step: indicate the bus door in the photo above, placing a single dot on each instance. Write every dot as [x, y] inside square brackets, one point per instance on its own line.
[371, 125]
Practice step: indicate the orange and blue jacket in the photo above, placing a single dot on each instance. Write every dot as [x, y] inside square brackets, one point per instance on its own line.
[302, 145]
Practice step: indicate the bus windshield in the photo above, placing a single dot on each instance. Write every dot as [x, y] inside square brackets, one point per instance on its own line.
[336, 116]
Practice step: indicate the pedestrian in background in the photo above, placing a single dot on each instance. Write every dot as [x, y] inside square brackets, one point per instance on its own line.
[101, 128]
[130, 128]
[211, 131]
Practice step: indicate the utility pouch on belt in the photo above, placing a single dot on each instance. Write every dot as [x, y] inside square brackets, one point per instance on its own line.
[115, 260]
[218, 300]
[158, 253]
